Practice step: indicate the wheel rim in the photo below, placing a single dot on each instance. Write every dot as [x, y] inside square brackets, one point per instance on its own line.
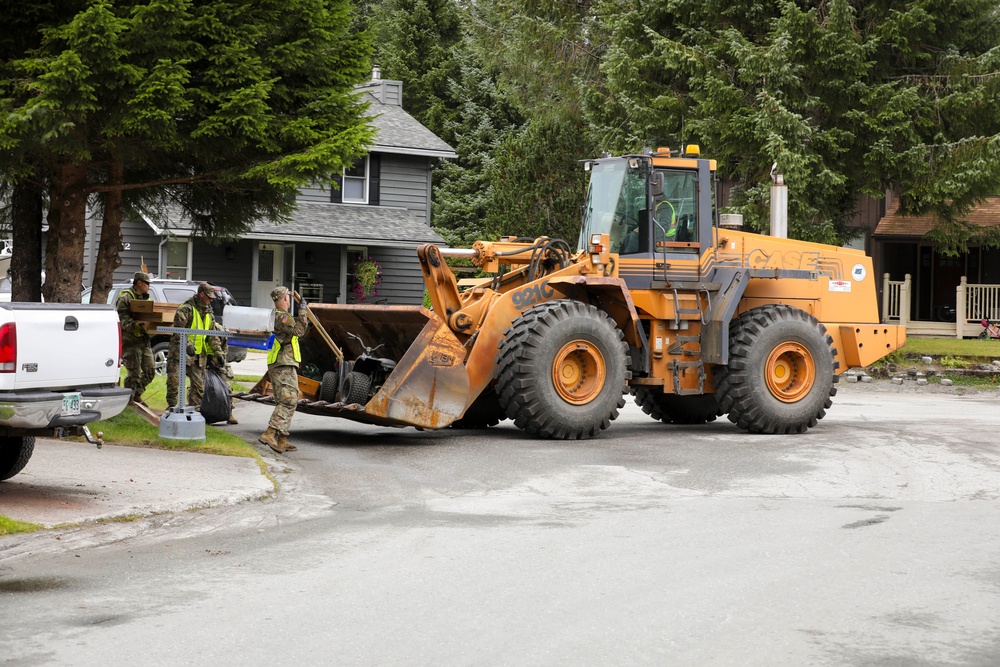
[579, 372]
[160, 363]
[790, 372]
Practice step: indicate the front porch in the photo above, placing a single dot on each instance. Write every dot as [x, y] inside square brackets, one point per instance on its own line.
[973, 304]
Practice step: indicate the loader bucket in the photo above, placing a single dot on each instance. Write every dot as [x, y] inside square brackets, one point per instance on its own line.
[429, 388]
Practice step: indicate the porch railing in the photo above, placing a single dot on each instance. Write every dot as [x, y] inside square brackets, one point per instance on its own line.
[973, 304]
[896, 300]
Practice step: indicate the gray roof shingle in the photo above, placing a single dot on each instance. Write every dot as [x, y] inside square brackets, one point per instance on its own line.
[399, 132]
[335, 223]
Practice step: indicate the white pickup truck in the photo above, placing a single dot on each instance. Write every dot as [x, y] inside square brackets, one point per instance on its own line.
[59, 368]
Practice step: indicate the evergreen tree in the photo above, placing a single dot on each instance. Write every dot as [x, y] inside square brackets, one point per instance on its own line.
[464, 188]
[221, 107]
[848, 98]
[413, 43]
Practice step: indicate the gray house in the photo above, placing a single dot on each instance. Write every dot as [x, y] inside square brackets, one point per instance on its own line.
[381, 211]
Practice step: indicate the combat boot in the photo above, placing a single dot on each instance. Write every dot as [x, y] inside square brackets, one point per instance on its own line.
[232, 420]
[269, 438]
[283, 442]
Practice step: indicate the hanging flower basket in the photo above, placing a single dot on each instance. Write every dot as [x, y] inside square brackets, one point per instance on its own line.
[367, 276]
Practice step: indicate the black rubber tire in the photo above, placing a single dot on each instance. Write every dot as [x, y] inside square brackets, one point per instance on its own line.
[484, 412]
[356, 387]
[160, 357]
[524, 370]
[14, 454]
[329, 387]
[674, 409]
[984, 335]
[741, 385]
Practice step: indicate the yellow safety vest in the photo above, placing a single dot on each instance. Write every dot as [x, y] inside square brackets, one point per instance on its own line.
[203, 323]
[272, 354]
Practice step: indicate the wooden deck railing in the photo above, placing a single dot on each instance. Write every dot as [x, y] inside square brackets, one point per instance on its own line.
[973, 304]
[896, 300]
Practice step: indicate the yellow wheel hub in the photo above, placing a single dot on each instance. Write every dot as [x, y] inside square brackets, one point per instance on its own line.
[790, 372]
[579, 372]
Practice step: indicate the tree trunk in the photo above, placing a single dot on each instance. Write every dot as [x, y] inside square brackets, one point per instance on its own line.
[108, 258]
[27, 207]
[67, 234]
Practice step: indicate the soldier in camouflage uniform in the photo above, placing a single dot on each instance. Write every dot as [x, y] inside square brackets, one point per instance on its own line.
[137, 356]
[195, 313]
[282, 364]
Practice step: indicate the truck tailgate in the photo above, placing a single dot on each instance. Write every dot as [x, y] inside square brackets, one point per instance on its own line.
[64, 346]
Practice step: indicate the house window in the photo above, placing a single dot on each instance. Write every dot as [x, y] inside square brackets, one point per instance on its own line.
[178, 259]
[355, 183]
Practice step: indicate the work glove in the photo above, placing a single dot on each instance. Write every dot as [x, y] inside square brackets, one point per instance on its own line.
[190, 350]
[220, 361]
[138, 329]
[304, 303]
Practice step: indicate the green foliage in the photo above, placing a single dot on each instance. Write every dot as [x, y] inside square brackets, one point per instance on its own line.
[220, 107]
[414, 42]
[847, 99]
[538, 185]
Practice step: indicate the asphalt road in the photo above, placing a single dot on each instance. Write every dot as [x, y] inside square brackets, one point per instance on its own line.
[870, 540]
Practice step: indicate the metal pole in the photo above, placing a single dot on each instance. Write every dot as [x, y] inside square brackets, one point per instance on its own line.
[779, 207]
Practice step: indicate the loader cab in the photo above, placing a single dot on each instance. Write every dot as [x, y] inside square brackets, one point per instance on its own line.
[655, 207]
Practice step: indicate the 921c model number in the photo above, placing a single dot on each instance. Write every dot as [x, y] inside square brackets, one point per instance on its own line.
[530, 296]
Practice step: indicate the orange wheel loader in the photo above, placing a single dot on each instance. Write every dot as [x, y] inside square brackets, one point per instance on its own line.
[694, 319]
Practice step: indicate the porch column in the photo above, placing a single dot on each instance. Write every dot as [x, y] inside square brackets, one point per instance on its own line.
[960, 313]
[904, 301]
[885, 297]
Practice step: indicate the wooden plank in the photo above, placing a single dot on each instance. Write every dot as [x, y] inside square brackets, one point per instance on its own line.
[337, 352]
[146, 413]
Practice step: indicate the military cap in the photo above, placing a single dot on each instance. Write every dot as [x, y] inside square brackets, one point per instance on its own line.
[207, 290]
[140, 275]
[279, 292]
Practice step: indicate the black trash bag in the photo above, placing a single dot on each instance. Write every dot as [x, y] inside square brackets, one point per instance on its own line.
[215, 405]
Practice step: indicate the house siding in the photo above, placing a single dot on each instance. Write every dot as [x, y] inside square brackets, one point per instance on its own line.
[321, 263]
[404, 184]
[209, 262]
[139, 244]
[402, 280]
[314, 193]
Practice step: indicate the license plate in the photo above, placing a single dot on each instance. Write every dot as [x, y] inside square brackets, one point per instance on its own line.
[70, 405]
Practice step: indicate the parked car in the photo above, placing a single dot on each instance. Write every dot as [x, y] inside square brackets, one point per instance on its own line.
[176, 291]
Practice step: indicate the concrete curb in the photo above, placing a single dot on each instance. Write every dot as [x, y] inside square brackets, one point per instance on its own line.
[69, 483]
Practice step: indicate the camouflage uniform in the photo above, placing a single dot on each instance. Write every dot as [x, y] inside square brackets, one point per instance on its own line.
[283, 370]
[195, 364]
[137, 355]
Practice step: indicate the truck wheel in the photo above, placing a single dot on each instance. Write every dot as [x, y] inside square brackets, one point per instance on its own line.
[780, 374]
[160, 357]
[484, 412]
[562, 370]
[356, 387]
[14, 454]
[674, 409]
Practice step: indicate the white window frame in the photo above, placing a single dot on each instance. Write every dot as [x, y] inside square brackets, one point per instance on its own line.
[184, 272]
[364, 180]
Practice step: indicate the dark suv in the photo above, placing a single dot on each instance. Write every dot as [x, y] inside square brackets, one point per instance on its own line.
[176, 291]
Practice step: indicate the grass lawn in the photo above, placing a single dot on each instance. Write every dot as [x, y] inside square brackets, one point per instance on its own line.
[986, 350]
[12, 527]
[129, 428]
